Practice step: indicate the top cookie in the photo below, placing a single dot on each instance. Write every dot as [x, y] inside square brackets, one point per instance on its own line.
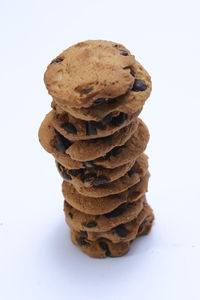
[90, 72]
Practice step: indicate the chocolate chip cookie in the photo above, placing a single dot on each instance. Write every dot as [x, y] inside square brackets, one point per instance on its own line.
[104, 205]
[90, 73]
[130, 102]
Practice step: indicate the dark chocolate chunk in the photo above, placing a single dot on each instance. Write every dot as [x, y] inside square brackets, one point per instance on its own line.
[112, 101]
[59, 166]
[91, 224]
[131, 172]
[119, 120]
[70, 214]
[107, 118]
[75, 172]
[57, 60]
[99, 180]
[91, 128]
[104, 246]
[131, 71]
[123, 52]
[144, 221]
[62, 143]
[69, 128]
[107, 156]
[113, 214]
[88, 177]
[66, 176]
[87, 91]
[121, 231]
[84, 233]
[98, 101]
[115, 151]
[139, 86]
[88, 164]
[81, 241]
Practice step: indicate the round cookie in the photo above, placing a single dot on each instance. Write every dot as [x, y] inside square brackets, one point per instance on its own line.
[76, 129]
[98, 175]
[100, 188]
[118, 156]
[100, 223]
[130, 102]
[125, 232]
[103, 247]
[104, 205]
[90, 71]
[99, 249]
[77, 149]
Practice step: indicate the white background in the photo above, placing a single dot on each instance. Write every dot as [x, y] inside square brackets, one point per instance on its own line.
[37, 259]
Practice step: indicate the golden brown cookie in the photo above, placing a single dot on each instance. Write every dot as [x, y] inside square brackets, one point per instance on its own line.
[124, 232]
[103, 247]
[100, 187]
[84, 150]
[130, 102]
[103, 205]
[101, 223]
[90, 72]
[76, 129]
[99, 249]
[118, 156]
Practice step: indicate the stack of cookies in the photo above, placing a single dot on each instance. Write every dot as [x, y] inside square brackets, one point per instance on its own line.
[98, 141]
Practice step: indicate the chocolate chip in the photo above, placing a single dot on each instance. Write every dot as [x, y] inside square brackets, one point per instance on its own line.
[107, 156]
[75, 172]
[59, 166]
[144, 221]
[98, 101]
[131, 172]
[70, 214]
[88, 177]
[66, 176]
[131, 71]
[87, 91]
[115, 151]
[139, 86]
[123, 52]
[107, 118]
[62, 143]
[113, 214]
[91, 128]
[57, 60]
[112, 101]
[81, 241]
[84, 233]
[119, 120]
[88, 164]
[116, 212]
[91, 224]
[121, 231]
[100, 180]
[104, 246]
[69, 128]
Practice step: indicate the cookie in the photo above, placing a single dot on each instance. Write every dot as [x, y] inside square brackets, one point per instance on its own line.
[104, 205]
[99, 249]
[86, 177]
[76, 129]
[100, 187]
[90, 73]
[99, 223]
[118, 156]
[124, 232]
[103, 247]
[130, 102]
[95, 147]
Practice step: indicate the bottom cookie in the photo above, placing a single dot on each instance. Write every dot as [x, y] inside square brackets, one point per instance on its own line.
[103, 247]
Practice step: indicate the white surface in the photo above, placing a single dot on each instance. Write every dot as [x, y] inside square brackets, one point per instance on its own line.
[37, 259]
